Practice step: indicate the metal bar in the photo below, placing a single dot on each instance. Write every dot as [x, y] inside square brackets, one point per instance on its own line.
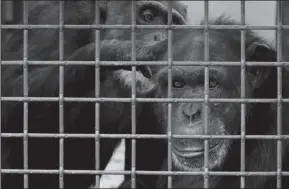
[170, 60]
[61, 94]
[128, 100]
[142, 172]
[206, 95]
[97, 94]
[25, 93]
[141, 63]
[143, 136]
[243, 93]
[133, 94]
[0, 94]
[154, 27]
[279, 92]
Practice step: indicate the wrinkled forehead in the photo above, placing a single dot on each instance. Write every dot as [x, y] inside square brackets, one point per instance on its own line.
[191, 47]
[220, 48]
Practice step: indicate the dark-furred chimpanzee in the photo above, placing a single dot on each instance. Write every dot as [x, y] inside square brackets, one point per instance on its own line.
[78, 81]
[83, 13]
[223, 118]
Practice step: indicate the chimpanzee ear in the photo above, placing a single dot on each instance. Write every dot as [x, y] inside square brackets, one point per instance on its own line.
[258, 52]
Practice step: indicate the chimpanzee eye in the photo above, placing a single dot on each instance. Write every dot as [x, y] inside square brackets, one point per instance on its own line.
[213, 83]
[147, 15]
[178, 84]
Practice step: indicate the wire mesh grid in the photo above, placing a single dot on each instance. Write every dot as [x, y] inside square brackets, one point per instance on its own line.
[0, 93]
[133, 100]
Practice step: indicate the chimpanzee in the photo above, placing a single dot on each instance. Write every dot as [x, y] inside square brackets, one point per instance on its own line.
[223, 118]
[79, 81]
[83, 13]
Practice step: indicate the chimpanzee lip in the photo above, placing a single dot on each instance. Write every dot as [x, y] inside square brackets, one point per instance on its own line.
[189, 152]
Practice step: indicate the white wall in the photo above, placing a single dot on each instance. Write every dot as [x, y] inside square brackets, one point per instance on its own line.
[264, 16]
[260, 13]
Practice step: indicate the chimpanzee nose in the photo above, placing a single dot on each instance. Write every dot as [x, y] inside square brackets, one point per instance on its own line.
[192, 111]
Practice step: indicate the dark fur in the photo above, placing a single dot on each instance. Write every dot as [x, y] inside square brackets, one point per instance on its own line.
[261, 155]
[79, 81]
[47, 12]
[285, 37]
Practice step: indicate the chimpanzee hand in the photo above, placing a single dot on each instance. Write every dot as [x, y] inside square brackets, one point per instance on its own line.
[143, 85]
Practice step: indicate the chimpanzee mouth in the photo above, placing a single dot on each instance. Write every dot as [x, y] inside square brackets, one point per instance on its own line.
[194, 152]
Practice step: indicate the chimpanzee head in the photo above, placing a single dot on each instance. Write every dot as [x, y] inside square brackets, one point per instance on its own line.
[147, 13]
[188, 118]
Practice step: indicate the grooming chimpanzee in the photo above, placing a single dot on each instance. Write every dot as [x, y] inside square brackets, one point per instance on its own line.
[83, 13]
[79, 81]
[223, 118]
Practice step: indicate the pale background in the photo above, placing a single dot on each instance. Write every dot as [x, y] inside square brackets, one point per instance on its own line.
[257, 13]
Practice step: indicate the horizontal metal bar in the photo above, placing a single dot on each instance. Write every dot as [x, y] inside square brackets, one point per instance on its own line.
[140, 172]
[128, 100]
[212, 173]
[142, 63]
[167, 27]
[143, 136]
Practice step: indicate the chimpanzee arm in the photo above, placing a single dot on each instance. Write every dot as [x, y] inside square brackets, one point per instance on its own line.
[44, 81]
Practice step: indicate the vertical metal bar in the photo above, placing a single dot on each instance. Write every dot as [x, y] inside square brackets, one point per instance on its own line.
[169, 131]
[0, 94]
[97, 93]
[206, 96]
[61, 92]
[285, 33]
[243, 105]
[25, 92]
[133, 93]
[279, 93]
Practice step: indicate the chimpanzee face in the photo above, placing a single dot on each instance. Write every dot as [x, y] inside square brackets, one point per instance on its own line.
[188, 118]
[147, 13]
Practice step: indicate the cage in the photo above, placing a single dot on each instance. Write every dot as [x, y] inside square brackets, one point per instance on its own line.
[15, 12]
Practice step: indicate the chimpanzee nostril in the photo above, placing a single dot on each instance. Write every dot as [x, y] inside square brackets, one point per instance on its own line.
[192, 111]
